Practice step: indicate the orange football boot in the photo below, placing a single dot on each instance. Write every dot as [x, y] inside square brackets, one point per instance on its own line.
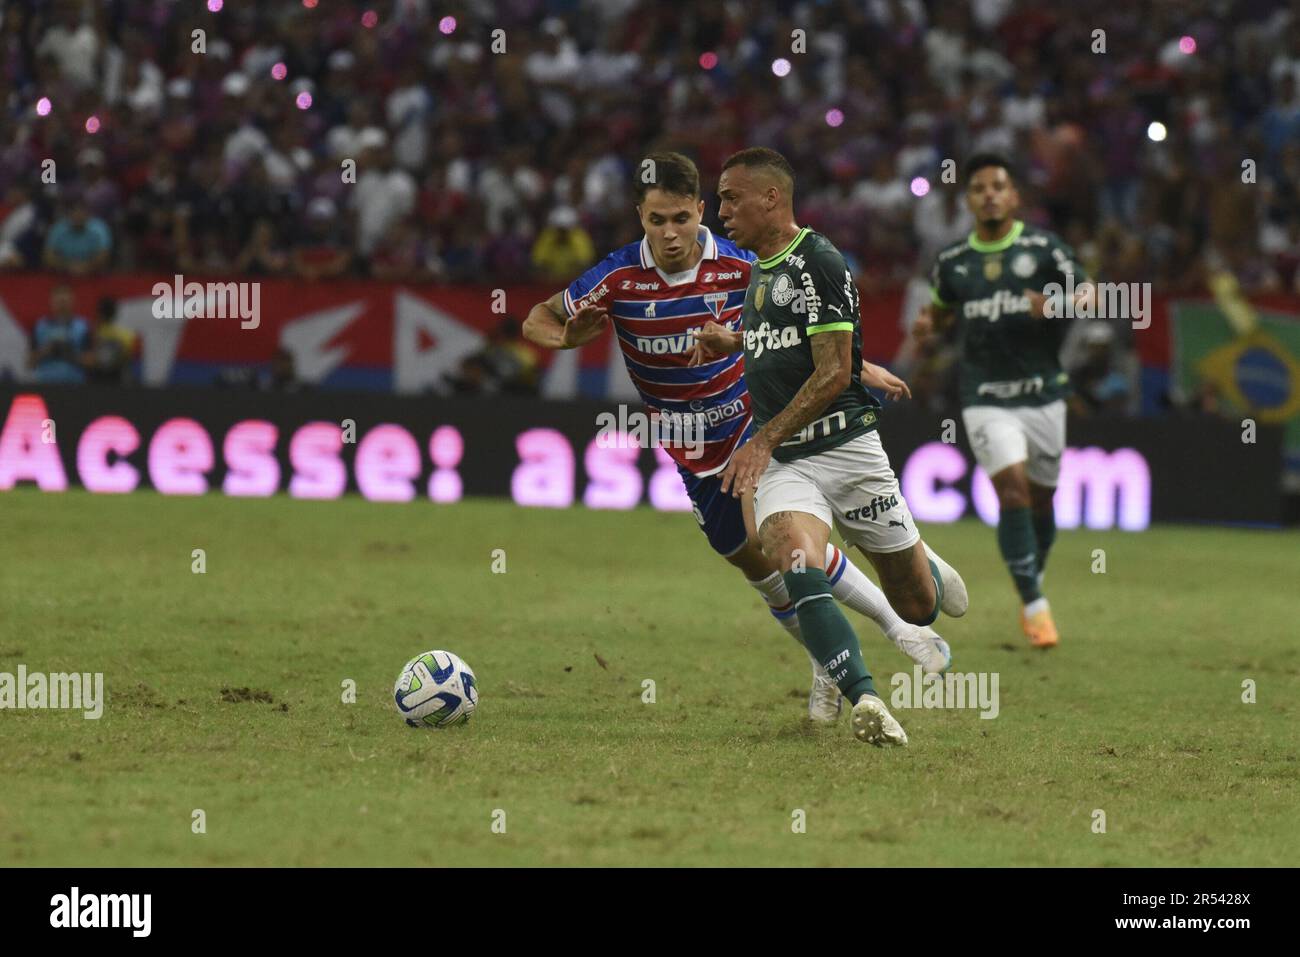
[1040, 629]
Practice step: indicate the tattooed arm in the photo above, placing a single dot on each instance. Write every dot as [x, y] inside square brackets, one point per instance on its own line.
[833, 368]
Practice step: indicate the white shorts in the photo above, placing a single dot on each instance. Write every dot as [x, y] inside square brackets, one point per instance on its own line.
[850, 487]
[1002, 436]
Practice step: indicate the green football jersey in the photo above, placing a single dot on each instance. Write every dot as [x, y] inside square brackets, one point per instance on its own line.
[804, 290]
[1007, 357]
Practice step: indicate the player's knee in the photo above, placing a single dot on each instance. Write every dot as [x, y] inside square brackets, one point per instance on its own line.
[916, 605]
[752, 561]
[787, 554]
[1041, 501]
[1012, 487]
[917, 611]
[1012, 495]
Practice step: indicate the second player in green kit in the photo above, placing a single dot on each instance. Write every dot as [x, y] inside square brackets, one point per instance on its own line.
[993, 287]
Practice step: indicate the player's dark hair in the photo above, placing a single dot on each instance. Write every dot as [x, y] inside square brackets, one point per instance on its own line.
[760, 157]
[983, 161]
[671, 172]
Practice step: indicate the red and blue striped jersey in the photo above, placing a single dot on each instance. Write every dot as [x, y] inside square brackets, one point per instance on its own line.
[653, 313]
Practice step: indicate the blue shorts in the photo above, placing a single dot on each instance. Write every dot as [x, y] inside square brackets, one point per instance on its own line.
[718, 512]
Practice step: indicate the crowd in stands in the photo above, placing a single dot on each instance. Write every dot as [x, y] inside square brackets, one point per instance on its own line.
[495, 141]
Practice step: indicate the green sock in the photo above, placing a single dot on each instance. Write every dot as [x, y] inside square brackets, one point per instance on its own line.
[827, 633]
[938, 592]
[1045, 534]
[1016, 540]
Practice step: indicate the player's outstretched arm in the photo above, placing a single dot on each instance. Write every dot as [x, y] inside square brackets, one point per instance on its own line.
[1042, 306]
[832, 369]
[712, 342]
[547, 326]
[878, 377]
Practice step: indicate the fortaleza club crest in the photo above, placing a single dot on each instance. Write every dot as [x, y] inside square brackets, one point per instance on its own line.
[716, 301]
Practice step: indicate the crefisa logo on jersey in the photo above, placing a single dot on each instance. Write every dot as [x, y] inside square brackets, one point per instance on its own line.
[765, 337]
[992, 308]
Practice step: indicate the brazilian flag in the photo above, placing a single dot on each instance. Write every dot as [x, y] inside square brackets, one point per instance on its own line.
[1252, 359]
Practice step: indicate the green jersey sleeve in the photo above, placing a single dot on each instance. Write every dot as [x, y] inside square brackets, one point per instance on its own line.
[829, 293]
[1065, 264]
[941, 294]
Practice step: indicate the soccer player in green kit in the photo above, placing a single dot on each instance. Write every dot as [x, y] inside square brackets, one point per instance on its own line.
[815, 460]
[1011, 382]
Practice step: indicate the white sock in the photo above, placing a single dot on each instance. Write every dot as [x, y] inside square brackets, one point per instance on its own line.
[852, 587]
[1035, 606]
[777, 596]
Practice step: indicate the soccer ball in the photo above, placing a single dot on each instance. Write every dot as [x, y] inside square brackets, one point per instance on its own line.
[435, 690]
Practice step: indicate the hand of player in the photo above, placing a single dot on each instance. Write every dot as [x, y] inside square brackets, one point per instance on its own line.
[713, 341]
[923, 325]
[880, 378]
[746, 467]
[583, 326]
[1037, 304]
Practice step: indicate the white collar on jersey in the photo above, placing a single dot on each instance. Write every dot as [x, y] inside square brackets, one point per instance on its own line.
[705, 237]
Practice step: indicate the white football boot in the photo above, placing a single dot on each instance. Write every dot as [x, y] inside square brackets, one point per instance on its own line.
[873, 723]
[923, 645]
[955, 599]
[825, 700]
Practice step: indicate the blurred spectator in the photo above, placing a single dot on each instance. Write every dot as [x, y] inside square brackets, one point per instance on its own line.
[264, 255]
[61, 343]
[507, 253]
[1281, 243]
[1103, 372]
[17, 222]
[563, 249]
[399, 257]
[113, 348]
[383, 195]
[506, 364]
[99, 193]
[78, 243]
[320, 250]
[72, 43]
[283, 376]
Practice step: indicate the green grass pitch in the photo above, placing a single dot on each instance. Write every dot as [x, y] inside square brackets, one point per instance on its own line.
[1138, 713]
